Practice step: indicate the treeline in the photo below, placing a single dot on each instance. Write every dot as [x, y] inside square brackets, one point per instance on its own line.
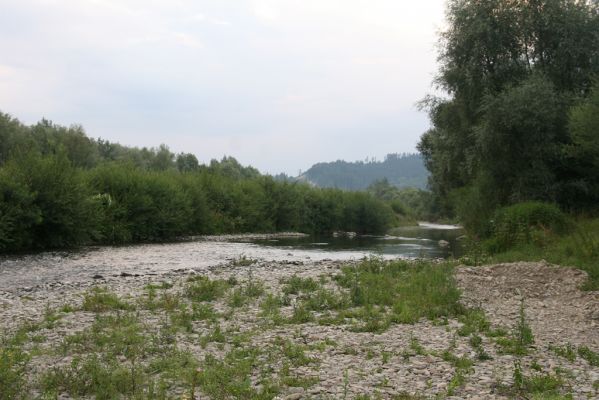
[409, 204]
[401, 170]
[60, 188]
[520, 121]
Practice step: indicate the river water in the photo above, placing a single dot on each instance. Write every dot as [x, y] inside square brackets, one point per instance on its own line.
[32, 270]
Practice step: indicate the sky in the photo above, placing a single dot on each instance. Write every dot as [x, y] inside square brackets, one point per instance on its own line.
[278, 84]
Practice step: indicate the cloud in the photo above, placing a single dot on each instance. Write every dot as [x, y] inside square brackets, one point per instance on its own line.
[279, 84]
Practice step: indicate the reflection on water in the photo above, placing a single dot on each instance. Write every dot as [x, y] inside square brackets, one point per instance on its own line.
[410, 242]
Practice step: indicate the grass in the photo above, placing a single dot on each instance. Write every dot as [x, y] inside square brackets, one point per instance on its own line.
[148, 347]
[13, 365]
[201, 288]
[410, 291]
[537, 386]
[521, 338]
[100, 299]
[590, 356]
[296, 285]
[578, 248]
[230, 377]
[568, 351]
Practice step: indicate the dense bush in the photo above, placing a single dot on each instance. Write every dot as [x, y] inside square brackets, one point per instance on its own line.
[523, 223]
[45, 203]
[53, 195]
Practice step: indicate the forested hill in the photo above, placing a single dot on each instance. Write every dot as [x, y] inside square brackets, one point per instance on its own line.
[401, 170]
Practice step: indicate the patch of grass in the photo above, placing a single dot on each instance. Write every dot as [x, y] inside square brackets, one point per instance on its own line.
[457, 381]
[578, 248]
[301, 315]
[13, 368]
[568, 351]
[296, 285]
[90, 376]
[590, 356]
[201, 288]
[243, 261]
[182, 318]
[295, 353]
[175, 367]
[462, 367]
[411, 290]
[536, 386]
[67, 308]
[159, 286]
[473, 321]
[477, 344]
[204, 312]
[110, 335]
[229, 378]
[215, 336]
[416, 347]
[460, 363]
[244, 294]
[100, 300]
[326, 299]
[271, 309]
[372, 319]
[520, 339]
[298, 381]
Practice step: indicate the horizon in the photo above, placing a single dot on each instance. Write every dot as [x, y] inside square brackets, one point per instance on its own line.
[277, 85]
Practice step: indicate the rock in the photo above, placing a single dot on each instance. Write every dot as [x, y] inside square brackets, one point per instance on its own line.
[443, 243]
[293, 396]
[97, 276]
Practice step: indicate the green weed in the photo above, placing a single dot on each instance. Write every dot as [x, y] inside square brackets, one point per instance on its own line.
[101, 300]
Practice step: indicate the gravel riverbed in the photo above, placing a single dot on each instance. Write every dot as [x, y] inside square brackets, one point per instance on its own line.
[403, 360]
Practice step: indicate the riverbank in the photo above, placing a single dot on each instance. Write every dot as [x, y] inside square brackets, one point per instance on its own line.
[295, 329]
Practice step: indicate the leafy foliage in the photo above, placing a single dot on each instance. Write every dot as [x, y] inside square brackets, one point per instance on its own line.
[59, 188]
[519, 122]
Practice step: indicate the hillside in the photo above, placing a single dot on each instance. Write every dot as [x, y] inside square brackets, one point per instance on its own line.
[401, 170]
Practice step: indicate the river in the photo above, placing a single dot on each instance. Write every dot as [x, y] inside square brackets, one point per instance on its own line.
[22, 271]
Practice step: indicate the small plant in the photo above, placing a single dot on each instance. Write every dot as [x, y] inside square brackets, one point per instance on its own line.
[473, 321]
[477, 344]
[296, 285]
[520, 339]
[216, 336]
[568, 351]
[101, 300]
[590, 356]
[416, 347]
[301, 315]
[295, 353]
[201, 288]
[271, 308]
[536, 386]
[13, 365]
[243, 261]
[345, 384]
[457, 380]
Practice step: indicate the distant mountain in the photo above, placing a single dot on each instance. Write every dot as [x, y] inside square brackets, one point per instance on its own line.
[401, 170]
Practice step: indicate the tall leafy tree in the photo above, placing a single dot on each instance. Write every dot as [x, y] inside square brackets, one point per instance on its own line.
[510, 70]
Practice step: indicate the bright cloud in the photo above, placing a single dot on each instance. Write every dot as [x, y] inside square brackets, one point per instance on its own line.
[278, 84]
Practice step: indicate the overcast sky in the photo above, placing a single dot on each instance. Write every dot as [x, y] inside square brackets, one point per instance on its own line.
[279, 84]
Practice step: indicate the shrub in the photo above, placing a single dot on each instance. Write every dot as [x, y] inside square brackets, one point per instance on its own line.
[524, 223]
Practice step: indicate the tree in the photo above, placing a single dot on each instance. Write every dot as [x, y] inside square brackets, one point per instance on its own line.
[511, 69]
[583, 153]
[187, 162]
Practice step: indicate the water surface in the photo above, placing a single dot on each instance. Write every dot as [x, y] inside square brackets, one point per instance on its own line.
[20, 271]
[421, 241]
